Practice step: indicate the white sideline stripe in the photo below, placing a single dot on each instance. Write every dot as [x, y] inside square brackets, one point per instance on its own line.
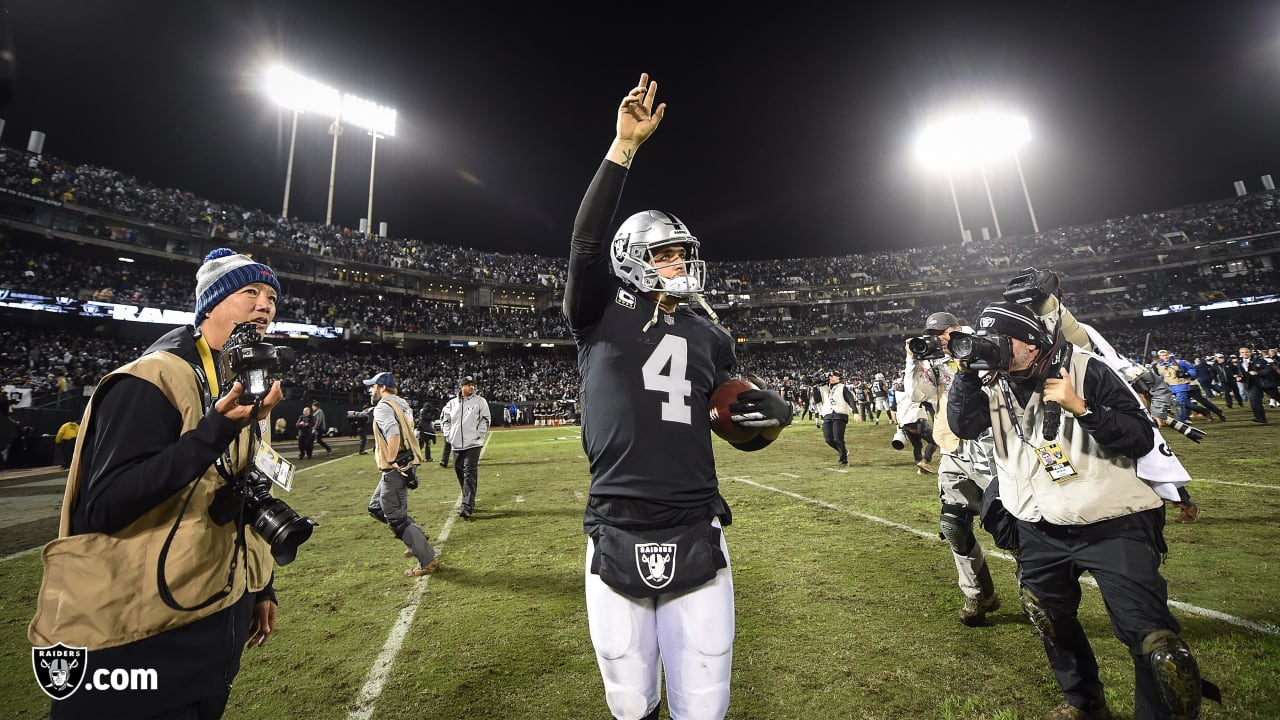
[20, 553]
[1261, 627]
[1237, 484]
[367, 700]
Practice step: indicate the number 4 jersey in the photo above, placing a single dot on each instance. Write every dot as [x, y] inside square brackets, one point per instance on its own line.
[644, 400]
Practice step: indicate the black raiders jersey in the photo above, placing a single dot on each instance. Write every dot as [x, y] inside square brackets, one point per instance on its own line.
[644, 397]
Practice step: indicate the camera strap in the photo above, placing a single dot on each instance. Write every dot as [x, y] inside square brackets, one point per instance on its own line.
[207, 374]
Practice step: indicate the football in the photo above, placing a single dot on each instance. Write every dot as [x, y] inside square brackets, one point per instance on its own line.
[721, 423]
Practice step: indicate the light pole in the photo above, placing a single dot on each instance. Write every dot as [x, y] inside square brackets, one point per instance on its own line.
[380, 122]
[959, 218]
[373, 163]
[288, 175]
[335, 129]
[1035, 226]
[299, 94]
[991, 203]
[976, 139]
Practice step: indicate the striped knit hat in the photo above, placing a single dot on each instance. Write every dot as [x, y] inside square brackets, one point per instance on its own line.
[225, 271]
[1014, 320]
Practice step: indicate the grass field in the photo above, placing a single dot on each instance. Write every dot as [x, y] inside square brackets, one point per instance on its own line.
[846, 599]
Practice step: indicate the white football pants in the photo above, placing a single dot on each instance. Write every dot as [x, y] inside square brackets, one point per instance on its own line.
[691, 633]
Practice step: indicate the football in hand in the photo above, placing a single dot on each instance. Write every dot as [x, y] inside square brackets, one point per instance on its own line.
[721, 422]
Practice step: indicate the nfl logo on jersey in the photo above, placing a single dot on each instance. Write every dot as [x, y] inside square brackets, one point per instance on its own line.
[656, 563]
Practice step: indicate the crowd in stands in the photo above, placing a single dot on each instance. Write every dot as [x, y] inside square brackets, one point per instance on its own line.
[147, 284]
[1167, 257]
[1251, 215]
[52, 362]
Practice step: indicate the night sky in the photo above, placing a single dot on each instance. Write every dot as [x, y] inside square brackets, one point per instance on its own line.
[788, 131]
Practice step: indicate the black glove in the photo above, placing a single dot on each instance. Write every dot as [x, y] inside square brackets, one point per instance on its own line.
[760, 409]
[411, 478]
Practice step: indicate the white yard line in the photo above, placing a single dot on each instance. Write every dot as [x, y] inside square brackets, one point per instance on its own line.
[1261, 627]
[376, 679]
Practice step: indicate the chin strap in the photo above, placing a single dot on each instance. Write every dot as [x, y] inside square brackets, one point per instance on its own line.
[658, 306]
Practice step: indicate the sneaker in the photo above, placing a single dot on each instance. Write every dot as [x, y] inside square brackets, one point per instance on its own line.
[974, 611]
[1067, 711]
[424, 569]
[464, 514]
[1189, 512]
[926, 467]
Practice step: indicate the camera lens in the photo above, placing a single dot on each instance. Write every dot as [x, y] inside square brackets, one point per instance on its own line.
[961, 345]
[280, 526]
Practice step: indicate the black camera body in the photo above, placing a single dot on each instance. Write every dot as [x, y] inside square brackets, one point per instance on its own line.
[254, 362]
[1032, 287]
[927, 347]
[980, 351]
[270, 517]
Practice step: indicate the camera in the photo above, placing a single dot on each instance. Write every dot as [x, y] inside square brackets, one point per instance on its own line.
[979, 352]
[270, 517]
[926, 347]
[1032, 287]
[253, 361]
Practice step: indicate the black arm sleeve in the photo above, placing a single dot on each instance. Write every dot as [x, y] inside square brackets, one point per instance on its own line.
[1115, 420]
[134, 458]
[968, 409]
[588, 278]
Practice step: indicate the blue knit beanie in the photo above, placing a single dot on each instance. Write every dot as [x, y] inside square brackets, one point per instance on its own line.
[225, 271]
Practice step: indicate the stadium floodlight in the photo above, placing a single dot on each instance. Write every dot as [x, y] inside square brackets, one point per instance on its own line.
[976, 139]
[299, 94]
[380, 122]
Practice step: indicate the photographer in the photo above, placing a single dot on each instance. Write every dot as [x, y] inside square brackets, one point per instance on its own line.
[1078, 505]
[160, 437]
[360, 424]
[964, 470]
[397, 456]
[836, 403]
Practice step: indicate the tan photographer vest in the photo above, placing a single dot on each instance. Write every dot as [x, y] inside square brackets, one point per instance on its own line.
[101, 591]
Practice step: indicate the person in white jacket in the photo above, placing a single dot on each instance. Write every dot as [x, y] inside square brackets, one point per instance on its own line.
[964, 470]
[464, 423]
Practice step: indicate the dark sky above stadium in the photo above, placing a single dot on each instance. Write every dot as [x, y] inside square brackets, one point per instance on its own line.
[789, 129]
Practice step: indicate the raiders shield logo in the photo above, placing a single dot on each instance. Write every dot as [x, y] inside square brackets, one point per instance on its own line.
[59, 669]
[656, 563]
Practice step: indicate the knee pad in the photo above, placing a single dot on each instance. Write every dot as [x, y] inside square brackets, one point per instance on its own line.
[956, 527]
[399, 525]
[1176, 672]
[1037, 615]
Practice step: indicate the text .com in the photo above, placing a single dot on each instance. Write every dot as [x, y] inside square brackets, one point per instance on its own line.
[121, 679]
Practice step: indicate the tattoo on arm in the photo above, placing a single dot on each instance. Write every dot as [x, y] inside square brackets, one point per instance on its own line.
[630, 155]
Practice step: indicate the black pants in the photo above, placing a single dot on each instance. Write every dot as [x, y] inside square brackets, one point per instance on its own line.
[306, 444]
[466, 465]
[323, 444]
[1256, 404]
[195, 665]
[444, 454]
[833, 432]
[1123, 555]
[364, 438]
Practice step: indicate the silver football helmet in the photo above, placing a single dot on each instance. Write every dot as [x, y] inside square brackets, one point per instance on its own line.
[632, 254]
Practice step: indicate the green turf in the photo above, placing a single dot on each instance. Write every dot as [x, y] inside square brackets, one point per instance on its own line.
[841, 613]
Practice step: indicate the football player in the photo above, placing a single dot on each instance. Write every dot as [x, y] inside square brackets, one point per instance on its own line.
[658, 581]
